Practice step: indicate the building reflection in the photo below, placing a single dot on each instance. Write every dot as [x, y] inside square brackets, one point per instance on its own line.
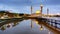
[44, 25]
[31, 24]
[15, 23]
[41, 26]
[48, 32]
[9, 24]
[2, 28]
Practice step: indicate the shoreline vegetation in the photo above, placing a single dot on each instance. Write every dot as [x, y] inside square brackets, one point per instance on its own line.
[9, 15]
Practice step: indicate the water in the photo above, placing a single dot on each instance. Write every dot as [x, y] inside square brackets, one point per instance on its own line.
[26, 26]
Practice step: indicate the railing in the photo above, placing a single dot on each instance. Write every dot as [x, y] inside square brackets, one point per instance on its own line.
[53, 22]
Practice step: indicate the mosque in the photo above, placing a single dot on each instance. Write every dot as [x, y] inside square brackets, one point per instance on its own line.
[38, 12]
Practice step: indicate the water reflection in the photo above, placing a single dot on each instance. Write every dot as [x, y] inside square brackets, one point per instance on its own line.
[2, 28]
[9, 24]
[44, 25]
[30, 26]
[31, 23]
[41, 27]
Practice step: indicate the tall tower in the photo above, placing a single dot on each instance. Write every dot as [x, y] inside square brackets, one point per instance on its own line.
[31, 9]
[41, 8]
[47, 11]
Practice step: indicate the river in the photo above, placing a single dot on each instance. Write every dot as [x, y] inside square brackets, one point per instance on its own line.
[24, 26]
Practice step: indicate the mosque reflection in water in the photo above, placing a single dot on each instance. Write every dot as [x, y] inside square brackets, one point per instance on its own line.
[35, 25]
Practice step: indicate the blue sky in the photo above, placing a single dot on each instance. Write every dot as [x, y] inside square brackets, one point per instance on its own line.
[23, 6]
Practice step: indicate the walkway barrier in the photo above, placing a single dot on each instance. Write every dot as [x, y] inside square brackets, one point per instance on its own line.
[53, 22]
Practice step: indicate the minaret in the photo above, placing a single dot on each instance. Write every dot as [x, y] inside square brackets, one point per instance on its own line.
[47, 11]
[41, 8]
[31, 9]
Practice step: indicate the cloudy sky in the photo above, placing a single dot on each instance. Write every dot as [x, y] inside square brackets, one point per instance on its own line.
[23, 6]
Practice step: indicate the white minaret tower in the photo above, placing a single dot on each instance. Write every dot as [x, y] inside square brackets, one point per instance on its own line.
[31, 10]
[41, 8]
[47, 11]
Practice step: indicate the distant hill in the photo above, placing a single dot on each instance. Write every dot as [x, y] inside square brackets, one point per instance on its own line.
[56, 15]
[4, 11]
[7, 12]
